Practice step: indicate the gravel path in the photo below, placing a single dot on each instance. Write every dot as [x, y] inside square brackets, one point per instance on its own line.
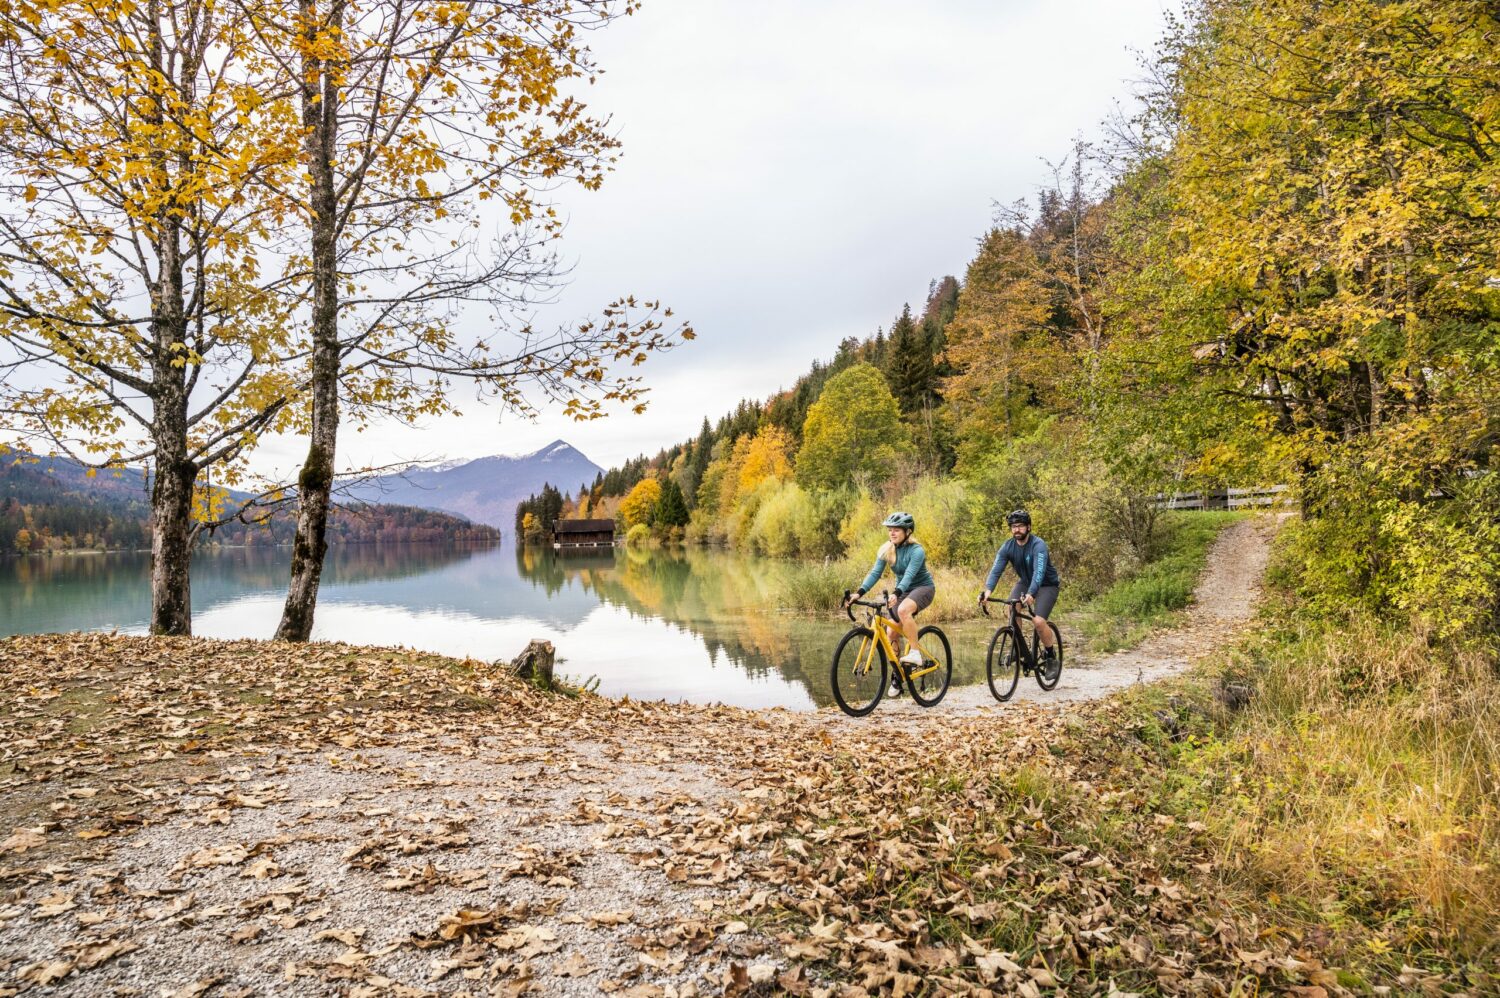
[323, 872]
[1223, 602]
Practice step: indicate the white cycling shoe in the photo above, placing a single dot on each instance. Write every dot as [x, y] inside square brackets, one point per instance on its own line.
[913, 657]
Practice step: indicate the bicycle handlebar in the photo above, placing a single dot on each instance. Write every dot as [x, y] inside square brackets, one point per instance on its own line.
[850, 604]
[984, 608]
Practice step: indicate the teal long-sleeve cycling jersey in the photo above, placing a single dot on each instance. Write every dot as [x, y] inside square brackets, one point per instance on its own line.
[910, 568]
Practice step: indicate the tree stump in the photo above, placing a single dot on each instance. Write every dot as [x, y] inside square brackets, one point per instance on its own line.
[1234, 696]
[1169, 724]
[534, 665]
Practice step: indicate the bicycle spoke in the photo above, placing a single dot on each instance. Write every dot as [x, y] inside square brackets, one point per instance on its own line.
[859, 672]
[929, 682]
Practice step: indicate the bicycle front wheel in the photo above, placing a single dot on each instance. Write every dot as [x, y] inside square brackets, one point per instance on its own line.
[859, 672]
[1003, 664]
[929, 681]
[1048, 674]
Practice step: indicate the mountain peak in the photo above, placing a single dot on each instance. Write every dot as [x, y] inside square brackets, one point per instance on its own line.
[487, 489]
[557, 448]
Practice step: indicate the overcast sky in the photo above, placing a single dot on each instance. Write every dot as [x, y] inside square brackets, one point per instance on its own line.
[793, 172]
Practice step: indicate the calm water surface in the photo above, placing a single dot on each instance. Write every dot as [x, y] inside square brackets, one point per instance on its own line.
[677, 625]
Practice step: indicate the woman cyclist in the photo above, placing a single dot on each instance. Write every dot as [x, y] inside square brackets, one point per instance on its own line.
[914, 586]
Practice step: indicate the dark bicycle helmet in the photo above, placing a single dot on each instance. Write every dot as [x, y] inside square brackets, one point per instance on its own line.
[903, 520]
[1018, 516]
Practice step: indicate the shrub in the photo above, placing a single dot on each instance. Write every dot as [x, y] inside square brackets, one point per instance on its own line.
[779, 510]
[860, 526]
[704, 528]
[815, 587]
[819, 527]
[940, 508]
[1367, 542]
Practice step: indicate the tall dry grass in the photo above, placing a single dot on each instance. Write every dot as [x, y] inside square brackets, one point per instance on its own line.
[1366, 774]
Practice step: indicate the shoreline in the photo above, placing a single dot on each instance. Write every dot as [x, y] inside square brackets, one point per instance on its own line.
[243, 547]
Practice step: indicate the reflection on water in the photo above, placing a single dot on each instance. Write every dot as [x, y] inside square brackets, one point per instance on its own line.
[694, 625]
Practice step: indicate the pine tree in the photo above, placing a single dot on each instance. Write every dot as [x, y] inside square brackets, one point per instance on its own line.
[671, 508]
[698, 463]
[909, 370]
[942, 306]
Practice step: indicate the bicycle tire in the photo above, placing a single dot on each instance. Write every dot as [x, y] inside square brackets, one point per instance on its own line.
[933, 682]
[845, 689]
[1002, 664]
[1045, 681]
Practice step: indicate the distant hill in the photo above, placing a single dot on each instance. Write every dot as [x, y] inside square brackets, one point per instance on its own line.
[485, 490]
[51, 504]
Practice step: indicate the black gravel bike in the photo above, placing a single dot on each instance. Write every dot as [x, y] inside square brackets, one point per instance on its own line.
[1011, 654]
[860, 660]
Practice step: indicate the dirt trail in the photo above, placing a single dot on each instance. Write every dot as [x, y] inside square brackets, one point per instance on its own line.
[1223, 601]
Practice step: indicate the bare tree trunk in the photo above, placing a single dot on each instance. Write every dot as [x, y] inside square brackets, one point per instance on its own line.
[172, 488]
[171, 523]
[315, 483]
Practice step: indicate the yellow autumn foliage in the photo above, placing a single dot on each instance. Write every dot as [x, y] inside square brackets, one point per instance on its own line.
[639, 506]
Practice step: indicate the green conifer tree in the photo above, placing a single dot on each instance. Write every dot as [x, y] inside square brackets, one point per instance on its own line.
[671, 508]
[909, 366]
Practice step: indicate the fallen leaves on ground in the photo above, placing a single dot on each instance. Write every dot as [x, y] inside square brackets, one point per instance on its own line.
[998, 855]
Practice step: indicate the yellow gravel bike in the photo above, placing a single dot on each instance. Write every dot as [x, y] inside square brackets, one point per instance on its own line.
[861, 660]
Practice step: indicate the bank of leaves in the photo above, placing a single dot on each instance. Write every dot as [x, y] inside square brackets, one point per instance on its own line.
[1032, 855]
[1025, 852]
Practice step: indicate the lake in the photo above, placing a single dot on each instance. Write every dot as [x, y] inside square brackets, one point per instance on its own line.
[696, 625]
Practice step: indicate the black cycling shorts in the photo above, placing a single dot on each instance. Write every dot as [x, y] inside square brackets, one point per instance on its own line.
[1046, 599]
[922, 596]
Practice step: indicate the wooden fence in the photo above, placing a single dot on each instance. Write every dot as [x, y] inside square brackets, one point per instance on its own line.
[1266, 495]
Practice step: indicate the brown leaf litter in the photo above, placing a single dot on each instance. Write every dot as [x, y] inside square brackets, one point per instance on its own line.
[234, 818]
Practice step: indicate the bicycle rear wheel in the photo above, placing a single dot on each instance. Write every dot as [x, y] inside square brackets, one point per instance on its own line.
[929, 688]
[859, 672]
[1003, 664]
[1049, 673]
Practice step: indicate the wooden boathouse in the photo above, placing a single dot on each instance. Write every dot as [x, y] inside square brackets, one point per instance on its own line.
[569, 534]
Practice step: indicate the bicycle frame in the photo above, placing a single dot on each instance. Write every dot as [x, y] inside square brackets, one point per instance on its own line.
[1018, 613]
[884, 627]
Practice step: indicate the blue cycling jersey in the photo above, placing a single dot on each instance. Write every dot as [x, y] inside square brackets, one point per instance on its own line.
[1030, 560]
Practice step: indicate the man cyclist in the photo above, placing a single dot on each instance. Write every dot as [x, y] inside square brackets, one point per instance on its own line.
[914, 586]
[1036, 577]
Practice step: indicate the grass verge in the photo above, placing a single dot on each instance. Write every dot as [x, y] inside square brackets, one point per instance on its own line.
[1146, 599]
[1360, 787]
